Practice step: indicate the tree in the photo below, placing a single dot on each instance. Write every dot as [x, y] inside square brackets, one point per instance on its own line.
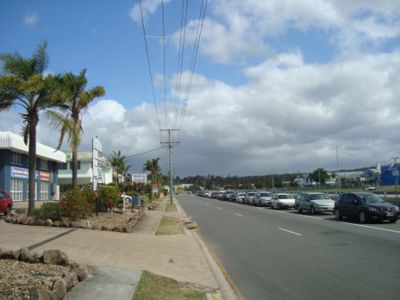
[24, 83]
[118, 162]
[153, 167]
[74, 100]
[319, 175]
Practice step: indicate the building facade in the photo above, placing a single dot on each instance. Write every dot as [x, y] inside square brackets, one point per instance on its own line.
[14, 168]
[86, 175]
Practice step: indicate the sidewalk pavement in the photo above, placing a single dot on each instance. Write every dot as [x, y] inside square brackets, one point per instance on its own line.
[183, 257]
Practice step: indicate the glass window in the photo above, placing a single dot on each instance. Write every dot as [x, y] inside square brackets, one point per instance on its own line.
[62, 166]
[44, 165]
[17, 189]
[16, 158]
[44, 190]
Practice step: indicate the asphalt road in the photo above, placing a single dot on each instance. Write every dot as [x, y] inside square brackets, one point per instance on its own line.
[278, 254]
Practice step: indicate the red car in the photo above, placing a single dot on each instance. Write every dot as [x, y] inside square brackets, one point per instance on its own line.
[6, 202]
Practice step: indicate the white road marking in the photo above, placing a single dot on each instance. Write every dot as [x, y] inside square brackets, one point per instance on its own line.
[239, 215]
[219, 207]
[372, 227]
[289, 231]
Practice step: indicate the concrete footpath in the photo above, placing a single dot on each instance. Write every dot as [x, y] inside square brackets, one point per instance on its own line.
[119, 258]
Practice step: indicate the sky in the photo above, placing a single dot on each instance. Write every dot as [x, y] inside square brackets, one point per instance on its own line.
[276, 86]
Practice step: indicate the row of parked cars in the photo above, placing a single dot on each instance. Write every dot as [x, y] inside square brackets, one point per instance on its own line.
[363, 206]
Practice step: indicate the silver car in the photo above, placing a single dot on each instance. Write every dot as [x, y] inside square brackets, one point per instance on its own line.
[314, 203]
[263, 198]
[249, 199]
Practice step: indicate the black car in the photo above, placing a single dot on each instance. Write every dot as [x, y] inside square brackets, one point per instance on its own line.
[365, 207]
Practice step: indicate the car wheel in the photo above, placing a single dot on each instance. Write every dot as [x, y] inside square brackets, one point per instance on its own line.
[272, 206]
[362, 217]
[299, 210]
[279, 206]
[338, 215]
[312, 210]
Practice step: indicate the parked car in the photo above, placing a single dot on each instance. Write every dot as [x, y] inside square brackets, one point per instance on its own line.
[227, 195]
[263, 198]
[215, 195]
[232, 197]
[282, 200]
[240, 196]
[249, 198]
[365, 207]
[6, 202]
[314, 202]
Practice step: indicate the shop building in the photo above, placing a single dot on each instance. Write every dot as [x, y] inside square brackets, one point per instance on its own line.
[14, 168]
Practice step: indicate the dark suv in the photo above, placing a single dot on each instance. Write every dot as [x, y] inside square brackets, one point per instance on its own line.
[6, 202]
[365, 207]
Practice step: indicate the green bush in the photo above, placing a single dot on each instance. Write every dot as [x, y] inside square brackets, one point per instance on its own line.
[108, 196]
[75, 205]
[49, 210]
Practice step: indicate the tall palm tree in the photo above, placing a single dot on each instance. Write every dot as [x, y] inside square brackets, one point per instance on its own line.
[118, 162]
[24, 83]
[75, 100]
[153, 167]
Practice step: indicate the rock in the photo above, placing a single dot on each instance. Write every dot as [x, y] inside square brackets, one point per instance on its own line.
[81, 270]
[55, 257]
[24, 220]
[24, 254]
[118, 228]
[97, 227]
[191, 225]
[38, 293]
[59, 289]
[56, 223]
[35, 258]
[75, 224]
[70, 280]
[49, 222]
[9, 254]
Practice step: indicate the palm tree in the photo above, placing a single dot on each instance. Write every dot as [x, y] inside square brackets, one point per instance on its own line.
[153, 167]
[23, 83]
[75, 100]
[118, 162]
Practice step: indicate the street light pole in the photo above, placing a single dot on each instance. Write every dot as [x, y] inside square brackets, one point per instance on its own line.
[396, 174]
[337, 170]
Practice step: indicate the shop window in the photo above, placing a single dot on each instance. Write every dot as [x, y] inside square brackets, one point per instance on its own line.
[17, 189]
[16, 158]
[44, 190]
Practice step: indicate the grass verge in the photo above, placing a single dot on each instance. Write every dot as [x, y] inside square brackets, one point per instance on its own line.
[155, 287]
[169, 225]
[171, 208]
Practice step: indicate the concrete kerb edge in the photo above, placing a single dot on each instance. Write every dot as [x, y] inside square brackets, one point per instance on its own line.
[227, 288]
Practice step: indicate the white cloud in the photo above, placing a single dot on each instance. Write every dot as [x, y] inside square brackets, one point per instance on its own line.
[31, 19]
[149, 7]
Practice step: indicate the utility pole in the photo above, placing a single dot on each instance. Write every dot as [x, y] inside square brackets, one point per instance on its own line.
[396, 173]
[170, 143]
[337, 171]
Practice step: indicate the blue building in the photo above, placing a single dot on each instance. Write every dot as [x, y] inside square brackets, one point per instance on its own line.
[14, 168]
[389, 174]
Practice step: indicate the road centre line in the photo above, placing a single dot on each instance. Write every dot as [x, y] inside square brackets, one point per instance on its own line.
[289, 231]
[239, 215]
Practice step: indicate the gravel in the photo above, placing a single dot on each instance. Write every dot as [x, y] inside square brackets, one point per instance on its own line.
[17, 278]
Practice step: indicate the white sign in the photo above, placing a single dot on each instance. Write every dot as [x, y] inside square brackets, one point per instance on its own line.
[139, 178]
[97, 159]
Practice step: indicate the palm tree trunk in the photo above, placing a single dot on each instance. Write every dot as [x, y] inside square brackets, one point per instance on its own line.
[74, 168]
[33, 120]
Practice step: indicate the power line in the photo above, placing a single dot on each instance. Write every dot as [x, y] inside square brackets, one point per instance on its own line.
[164, 60]
[148, 65]
[146, 152]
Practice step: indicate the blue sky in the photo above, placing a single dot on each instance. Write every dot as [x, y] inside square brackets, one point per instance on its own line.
[277, 84]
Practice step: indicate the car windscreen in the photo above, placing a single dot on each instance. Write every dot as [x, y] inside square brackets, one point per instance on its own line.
[265, 194]
[251, 194]
[318, 197]
[371, 198]
[283, 197]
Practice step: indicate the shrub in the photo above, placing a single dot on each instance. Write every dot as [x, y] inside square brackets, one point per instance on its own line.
[108, 196]
[49, 210]
[74, 204]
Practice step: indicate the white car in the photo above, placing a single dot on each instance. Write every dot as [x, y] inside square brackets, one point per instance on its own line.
[263, 199]
[249, 199]
[283, 201]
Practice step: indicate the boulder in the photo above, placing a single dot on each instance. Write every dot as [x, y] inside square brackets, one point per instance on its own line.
[35, 258]
[59, 289]
[38, 293]
[75, 224]
[70, 280]
[9, 254]
[55, 257]
[24, 254]
[81, 270]
[49, 222]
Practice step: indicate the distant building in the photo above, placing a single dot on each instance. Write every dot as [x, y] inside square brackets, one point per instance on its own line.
[85, 170]
[14, 168]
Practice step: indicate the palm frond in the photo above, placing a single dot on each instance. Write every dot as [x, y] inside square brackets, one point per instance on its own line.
[40, 59]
